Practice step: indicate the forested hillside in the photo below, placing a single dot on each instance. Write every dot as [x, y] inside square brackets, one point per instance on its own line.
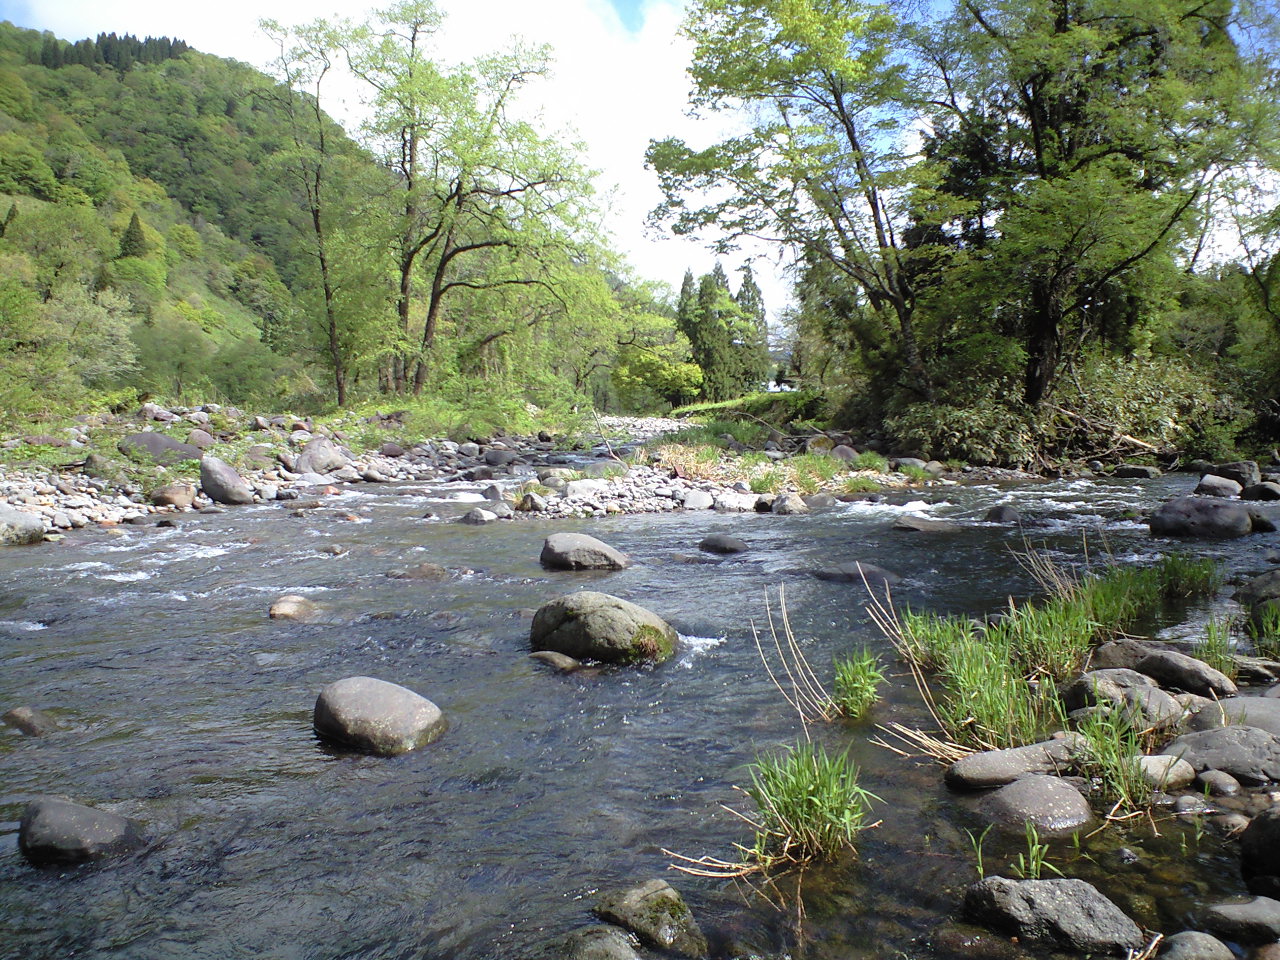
[186, 226]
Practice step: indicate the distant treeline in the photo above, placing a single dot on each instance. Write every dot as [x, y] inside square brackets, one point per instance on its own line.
[109, 49]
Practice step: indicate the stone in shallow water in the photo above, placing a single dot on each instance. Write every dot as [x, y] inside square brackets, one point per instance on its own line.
[32, 722]
[1194, 945]
[293, 607]
[58, 830]
[600, 942]
[1052, 805]
[1260, 853]
[374, 716]
[601, 627]
[17, 527]
[1250, 755]
[722, 543]
[1253, 921]
[578, 551]
[994, 768]
[657, 914]
[1068, 913]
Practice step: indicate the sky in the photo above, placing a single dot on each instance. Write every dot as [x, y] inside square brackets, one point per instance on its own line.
[619, 80]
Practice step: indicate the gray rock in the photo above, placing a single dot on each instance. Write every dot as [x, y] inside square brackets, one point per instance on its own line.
[1194, 945]
[18, 528]
[1250, 755]
[1165, 772]
[578, 551]
[1003, 513]
[56, 830]
[820, 502]
[1200, 517]
[1260, 712]
[657, 914]
[1244, 472]
[994, 768]
[532, 503]
[293, 607]
[469, 449]
[222, 484]
[1056, 808]
[391, 450]
[1219, 784]
[909, 463]
[858, 572]
[698, 500]
[585, 489]
[1260, 853]
[201, 438]
[722, 543]
[180, 495]
[557, 660]
[600, 942]
[478, 516]
[789, 504]
[1266, 490]
[493, 492]
[1172, 669]
[1121, 654]
[842, 451]
[1135, 471]
[1130, 690]
[1066, 913]
[32, 722]
[374, 716]
[914, 524]
[320, 455]
[500, 458]
[421, 571]
[1259, 589]
[159, 447]
[1211, 486]
[1253, 921]
[601, 627]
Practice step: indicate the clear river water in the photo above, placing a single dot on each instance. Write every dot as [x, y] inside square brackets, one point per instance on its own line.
[183, 705]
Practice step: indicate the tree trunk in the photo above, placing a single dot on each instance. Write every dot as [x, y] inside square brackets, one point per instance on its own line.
[1044, 344]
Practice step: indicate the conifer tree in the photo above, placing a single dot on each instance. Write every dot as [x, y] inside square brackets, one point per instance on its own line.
[133, 242]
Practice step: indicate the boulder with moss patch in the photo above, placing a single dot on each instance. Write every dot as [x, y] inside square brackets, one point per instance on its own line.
[597, 626]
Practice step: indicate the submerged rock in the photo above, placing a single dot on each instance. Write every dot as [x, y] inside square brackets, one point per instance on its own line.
[722, 543]
[657, 914]
[556, 660]
[913, 524]
[32, 722]
[600, 942]
[577, 551]
[374, 716]
[1066, 913]
[858, 572]
[56, 830]
[1053, 806]
[601, 627]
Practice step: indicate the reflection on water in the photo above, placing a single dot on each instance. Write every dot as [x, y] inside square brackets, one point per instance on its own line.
[183, 705]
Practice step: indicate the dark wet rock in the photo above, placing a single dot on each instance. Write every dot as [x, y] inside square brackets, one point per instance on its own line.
[601, 942]
[1266, 490]
[18, 528]
[1212, 486]
[1260, 712]
[597, 626]
[909, 463]
[1244, 472]
[821, 502]
[994, 768]
[1003, 513]
[1219, 784]
[500, 458]
[914, 524]
[1182, 672]
[1250, 755]
[578, 551]
[657, 914]
[1121, 654]
[858, 572]
[1130, 690]
[391, 449]
[1194, 945]
[1260, 853]
[174, 495]
[374, 716]
[32, 722]
[1056, 808]
[421, 571]
[320, 455]
[953, 939]
[1263, 518]
[222, 484]
[1256, 669]
[1066, 913]
[722, 543]
[1259, 589]
[789, 504]
[1201, 517]
[557, 660]
[1253, 921]
[160, 447]
[167, 522]
[57, 830]
[293, 607]
[1135, 471]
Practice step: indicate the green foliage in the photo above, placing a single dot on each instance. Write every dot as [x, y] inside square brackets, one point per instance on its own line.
[857, 681]
[1032, 862]
[1216, 648]
[852, 485]
[1112, 744]
[809, 806]
[870, 460]
[1263, 627]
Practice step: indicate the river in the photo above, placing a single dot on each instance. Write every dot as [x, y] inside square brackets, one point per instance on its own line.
[183, 705]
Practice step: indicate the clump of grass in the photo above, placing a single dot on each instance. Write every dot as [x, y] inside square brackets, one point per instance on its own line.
[1032, 863]
[1113, 741]
[857, 682]
[809, 806]
[914, 473]
[770, 481]
[852, 485]
[1263, 627]
[1183, 576]
[870, 460]
[1215, 647]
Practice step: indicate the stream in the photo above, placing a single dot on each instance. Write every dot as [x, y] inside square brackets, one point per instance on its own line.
[183, 705]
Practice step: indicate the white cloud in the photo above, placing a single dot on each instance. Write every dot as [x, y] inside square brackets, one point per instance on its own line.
[616, 89]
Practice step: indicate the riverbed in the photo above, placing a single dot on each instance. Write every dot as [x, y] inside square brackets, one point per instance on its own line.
[183, 705]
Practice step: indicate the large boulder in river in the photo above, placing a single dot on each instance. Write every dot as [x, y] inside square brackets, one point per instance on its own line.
[599, 942]
[856, 571]
[1244, 472]
[1213, 486]
[597, 626]
[159, 447]
[1064, 913]
[56, 830]
[1135, 693]
[1200, 517]
[1260, 853]
[222, 484]
[657, 914]
[374, 716]
[577, 551]
[320, 455]
[18, 527]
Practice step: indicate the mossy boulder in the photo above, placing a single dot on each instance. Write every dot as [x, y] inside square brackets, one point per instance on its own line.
[658, 915]
[597, 626]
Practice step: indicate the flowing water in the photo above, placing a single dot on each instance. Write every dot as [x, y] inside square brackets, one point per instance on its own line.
[182, 705]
